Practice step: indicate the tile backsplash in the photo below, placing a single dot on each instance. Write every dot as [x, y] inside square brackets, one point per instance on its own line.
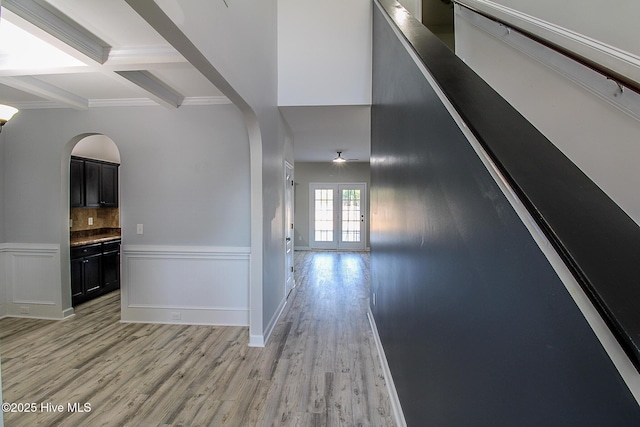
[102, 218]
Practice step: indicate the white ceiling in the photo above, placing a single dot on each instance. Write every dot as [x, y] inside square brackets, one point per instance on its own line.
[320, 131]
[140, 68]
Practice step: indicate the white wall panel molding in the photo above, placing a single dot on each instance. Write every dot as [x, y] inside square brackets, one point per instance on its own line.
[32, 281]
[185, 284]
[621, 61]
[606, 89]
[3, 283]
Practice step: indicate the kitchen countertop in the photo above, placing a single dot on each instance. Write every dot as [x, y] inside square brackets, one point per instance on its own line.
[99, 236]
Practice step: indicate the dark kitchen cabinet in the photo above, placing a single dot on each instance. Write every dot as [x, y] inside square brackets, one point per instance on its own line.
[95, 270]
[111, 266]
[109, 185]
[77, 183]
[86, 271]
[91, 184]
[98, 183]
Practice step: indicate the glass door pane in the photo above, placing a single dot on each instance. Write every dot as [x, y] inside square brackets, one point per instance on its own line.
[323, 224]
[351, 202]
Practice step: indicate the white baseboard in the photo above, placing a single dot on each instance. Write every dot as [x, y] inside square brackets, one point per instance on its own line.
[274, 320]
[256, 341]
[396, 407]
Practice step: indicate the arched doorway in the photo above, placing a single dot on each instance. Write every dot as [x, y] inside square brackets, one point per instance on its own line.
[93, 218]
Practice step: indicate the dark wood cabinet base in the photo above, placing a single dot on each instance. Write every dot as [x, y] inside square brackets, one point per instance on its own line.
[95, 270]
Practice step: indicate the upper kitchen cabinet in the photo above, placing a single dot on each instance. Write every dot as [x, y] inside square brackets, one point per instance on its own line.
[100, 181]
[109, 185]
[76, 193]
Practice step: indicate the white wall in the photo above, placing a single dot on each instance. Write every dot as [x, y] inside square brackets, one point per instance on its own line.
[414, 7]
[306, 172]
[324, 52]
[99, 147]
[2, 179]
[604, 32]
[184, 175]
[240, 42]
[615, 24]
[600, 138]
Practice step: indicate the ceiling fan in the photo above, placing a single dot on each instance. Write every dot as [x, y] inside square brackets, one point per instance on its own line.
[340, 159]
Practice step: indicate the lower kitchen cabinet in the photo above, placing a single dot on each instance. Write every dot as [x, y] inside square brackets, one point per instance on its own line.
[95, 270]
[111, 266]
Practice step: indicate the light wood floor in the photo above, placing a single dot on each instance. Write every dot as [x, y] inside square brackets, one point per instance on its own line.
[320, 367]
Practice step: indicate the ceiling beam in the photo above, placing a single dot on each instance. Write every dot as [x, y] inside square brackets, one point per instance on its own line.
[139, 58]
[45, 90]
[157, 90]
[55, 23]
[155, 16]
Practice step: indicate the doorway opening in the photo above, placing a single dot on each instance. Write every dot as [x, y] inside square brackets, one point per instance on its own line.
[94, 218]
[337, 216]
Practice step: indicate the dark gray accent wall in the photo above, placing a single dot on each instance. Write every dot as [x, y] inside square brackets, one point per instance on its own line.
[477, 328]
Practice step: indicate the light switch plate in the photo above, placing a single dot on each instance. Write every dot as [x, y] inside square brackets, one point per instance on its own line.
[90, 220]
[139, 229]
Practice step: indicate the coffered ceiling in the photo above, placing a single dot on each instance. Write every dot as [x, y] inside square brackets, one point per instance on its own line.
[98, 53]
[101, 53]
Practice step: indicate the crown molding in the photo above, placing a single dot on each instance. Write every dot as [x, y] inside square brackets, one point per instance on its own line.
[45, 90]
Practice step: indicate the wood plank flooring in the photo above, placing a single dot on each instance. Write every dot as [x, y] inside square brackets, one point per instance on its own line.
[320, 367]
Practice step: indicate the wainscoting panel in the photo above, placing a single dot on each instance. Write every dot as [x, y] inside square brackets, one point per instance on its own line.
[186, 285]
[32, 286]
[3, 284]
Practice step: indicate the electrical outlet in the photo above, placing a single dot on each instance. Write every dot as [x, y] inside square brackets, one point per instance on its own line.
[139, 229]
[24, 309]
[176, 315]
[90, 220]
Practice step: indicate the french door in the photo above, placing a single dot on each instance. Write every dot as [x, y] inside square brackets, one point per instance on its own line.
[337, 216]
